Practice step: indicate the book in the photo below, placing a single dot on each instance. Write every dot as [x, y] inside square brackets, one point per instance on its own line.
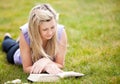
[44, 77]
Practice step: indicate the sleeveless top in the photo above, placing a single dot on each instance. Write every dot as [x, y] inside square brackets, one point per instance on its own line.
[24, 29]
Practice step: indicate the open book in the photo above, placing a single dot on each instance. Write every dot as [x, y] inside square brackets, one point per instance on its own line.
[44, 77]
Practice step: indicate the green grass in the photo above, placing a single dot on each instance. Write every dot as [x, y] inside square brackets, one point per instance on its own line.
[93, 30]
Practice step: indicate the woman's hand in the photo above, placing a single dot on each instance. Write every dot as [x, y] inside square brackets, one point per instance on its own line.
[52, 68]
[39, 65]
[47, 65]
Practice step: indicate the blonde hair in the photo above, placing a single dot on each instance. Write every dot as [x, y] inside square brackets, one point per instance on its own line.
[38, 14]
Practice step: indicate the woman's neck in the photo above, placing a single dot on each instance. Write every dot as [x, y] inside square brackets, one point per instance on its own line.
[44, 43]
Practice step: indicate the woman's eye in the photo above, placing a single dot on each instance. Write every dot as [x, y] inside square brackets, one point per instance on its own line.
[52, 27]
[44, 29]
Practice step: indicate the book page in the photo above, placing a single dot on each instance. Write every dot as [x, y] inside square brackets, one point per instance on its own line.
[70, 74]
[52, 77]
[43, 77]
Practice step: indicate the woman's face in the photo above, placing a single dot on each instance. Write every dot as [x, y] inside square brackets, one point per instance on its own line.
[48, 29]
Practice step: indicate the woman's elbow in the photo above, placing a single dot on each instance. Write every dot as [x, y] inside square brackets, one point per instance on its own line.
[61, 66]
[26, 70]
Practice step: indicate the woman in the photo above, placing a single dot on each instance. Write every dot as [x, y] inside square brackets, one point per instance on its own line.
[42, 44]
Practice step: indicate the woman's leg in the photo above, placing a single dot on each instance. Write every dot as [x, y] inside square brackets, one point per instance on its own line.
[7, 43]
[9, 46]
[10, 54]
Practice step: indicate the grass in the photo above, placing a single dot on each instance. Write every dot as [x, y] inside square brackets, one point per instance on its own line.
[93, 30]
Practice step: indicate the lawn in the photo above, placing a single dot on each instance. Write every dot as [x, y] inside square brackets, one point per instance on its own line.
[93, 31]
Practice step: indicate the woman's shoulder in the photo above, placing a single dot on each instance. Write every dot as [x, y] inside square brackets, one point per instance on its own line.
[24, 28]
[60, 26]
[60, 30]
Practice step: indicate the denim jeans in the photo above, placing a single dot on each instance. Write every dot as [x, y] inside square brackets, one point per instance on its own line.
[9, 46]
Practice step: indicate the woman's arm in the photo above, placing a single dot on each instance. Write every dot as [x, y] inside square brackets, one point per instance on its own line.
[55, 67]
[25, 54]
[60, 57]
[28, 66]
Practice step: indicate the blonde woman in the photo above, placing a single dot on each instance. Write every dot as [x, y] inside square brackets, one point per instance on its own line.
[42, 44]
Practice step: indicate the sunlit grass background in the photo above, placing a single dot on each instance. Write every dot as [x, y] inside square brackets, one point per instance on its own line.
[93, 30]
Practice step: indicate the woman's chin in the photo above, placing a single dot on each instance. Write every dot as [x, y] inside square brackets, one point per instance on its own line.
[48, 38]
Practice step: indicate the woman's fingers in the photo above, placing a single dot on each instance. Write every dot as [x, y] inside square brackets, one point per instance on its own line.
[39, 66]
[45, 64]
[56, 70]
[53, 69]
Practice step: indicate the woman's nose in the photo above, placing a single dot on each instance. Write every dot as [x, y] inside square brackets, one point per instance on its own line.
[49, 32]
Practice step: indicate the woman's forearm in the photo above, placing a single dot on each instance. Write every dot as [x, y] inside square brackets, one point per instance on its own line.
[59, 65]
[27, 69]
